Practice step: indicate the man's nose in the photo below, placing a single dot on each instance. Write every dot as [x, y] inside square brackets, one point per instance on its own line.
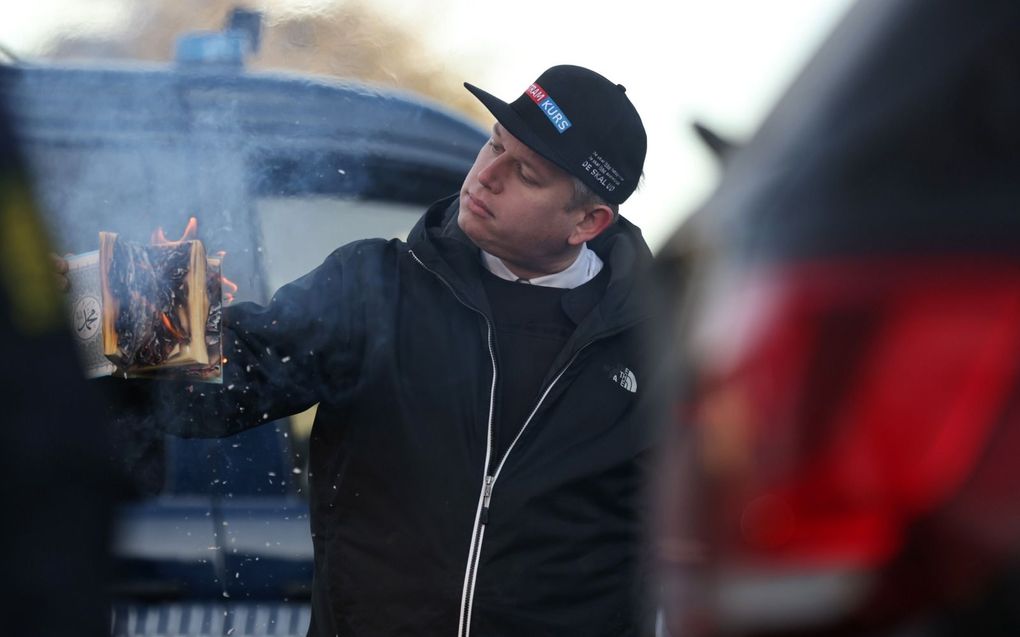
[491, 176]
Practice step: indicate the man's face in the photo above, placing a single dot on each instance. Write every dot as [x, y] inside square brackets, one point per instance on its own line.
[513, 205]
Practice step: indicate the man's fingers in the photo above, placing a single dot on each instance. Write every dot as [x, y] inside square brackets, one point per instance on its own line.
[59, 263]
[60, 272]
[63, 283]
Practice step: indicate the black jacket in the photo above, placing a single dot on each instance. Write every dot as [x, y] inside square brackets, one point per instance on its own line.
[417, 528]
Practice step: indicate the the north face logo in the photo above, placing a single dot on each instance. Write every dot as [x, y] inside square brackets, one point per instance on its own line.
[623, 377]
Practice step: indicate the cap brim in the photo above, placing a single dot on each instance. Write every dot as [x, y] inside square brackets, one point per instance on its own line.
[515, 124]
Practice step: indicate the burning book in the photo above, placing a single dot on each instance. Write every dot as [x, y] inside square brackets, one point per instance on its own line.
[155, 303]
[159, 309]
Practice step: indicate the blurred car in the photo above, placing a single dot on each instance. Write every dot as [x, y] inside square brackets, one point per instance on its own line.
[279, 169]
[842, 459]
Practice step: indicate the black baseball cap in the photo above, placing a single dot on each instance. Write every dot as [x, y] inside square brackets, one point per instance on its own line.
[581, 122]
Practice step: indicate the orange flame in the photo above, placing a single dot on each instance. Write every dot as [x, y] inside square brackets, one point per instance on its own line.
[170, 327]
[229, 288]
[190, 232]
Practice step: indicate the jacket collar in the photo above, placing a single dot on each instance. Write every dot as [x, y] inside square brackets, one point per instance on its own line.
[442, 246]
[586, 265]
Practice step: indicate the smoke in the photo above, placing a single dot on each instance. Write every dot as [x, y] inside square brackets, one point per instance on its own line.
[278, 170]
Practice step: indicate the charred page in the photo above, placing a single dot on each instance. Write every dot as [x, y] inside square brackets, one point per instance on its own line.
[161, 309]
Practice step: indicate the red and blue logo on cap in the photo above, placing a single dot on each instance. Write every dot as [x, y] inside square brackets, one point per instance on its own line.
[551, 109]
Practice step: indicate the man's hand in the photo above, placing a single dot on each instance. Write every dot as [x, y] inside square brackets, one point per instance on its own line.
[60, 272]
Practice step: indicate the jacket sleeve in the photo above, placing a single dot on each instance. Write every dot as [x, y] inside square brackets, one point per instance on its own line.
[281, 358]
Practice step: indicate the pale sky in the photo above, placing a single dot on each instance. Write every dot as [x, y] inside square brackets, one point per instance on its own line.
[723, 62]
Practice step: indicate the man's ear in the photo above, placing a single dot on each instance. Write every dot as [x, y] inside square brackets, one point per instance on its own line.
[595, 220]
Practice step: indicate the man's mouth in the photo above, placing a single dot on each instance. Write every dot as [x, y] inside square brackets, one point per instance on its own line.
[476, 206]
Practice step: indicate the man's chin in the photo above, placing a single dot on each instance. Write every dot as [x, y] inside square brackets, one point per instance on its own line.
[468, 224]
[465, 220]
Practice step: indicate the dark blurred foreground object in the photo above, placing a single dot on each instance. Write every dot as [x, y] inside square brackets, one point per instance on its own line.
[845, 458]
[56, 489]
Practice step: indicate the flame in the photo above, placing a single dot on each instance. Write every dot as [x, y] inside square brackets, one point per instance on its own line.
[190, 232]
[170, 327]
[229, 288]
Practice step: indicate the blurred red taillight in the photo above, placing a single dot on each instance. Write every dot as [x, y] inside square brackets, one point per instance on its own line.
[837, 402]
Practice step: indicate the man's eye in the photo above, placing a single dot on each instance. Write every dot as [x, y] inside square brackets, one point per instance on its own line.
[525, 178]
[496, 148]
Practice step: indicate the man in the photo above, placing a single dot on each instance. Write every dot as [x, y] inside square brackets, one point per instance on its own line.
[476, 459]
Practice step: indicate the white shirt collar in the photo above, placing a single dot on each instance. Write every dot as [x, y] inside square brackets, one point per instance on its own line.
[583, 269]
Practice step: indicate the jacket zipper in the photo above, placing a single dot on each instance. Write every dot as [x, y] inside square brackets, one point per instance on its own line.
[482, 520]
[541, 400]
[482, 514]
[482, 511]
